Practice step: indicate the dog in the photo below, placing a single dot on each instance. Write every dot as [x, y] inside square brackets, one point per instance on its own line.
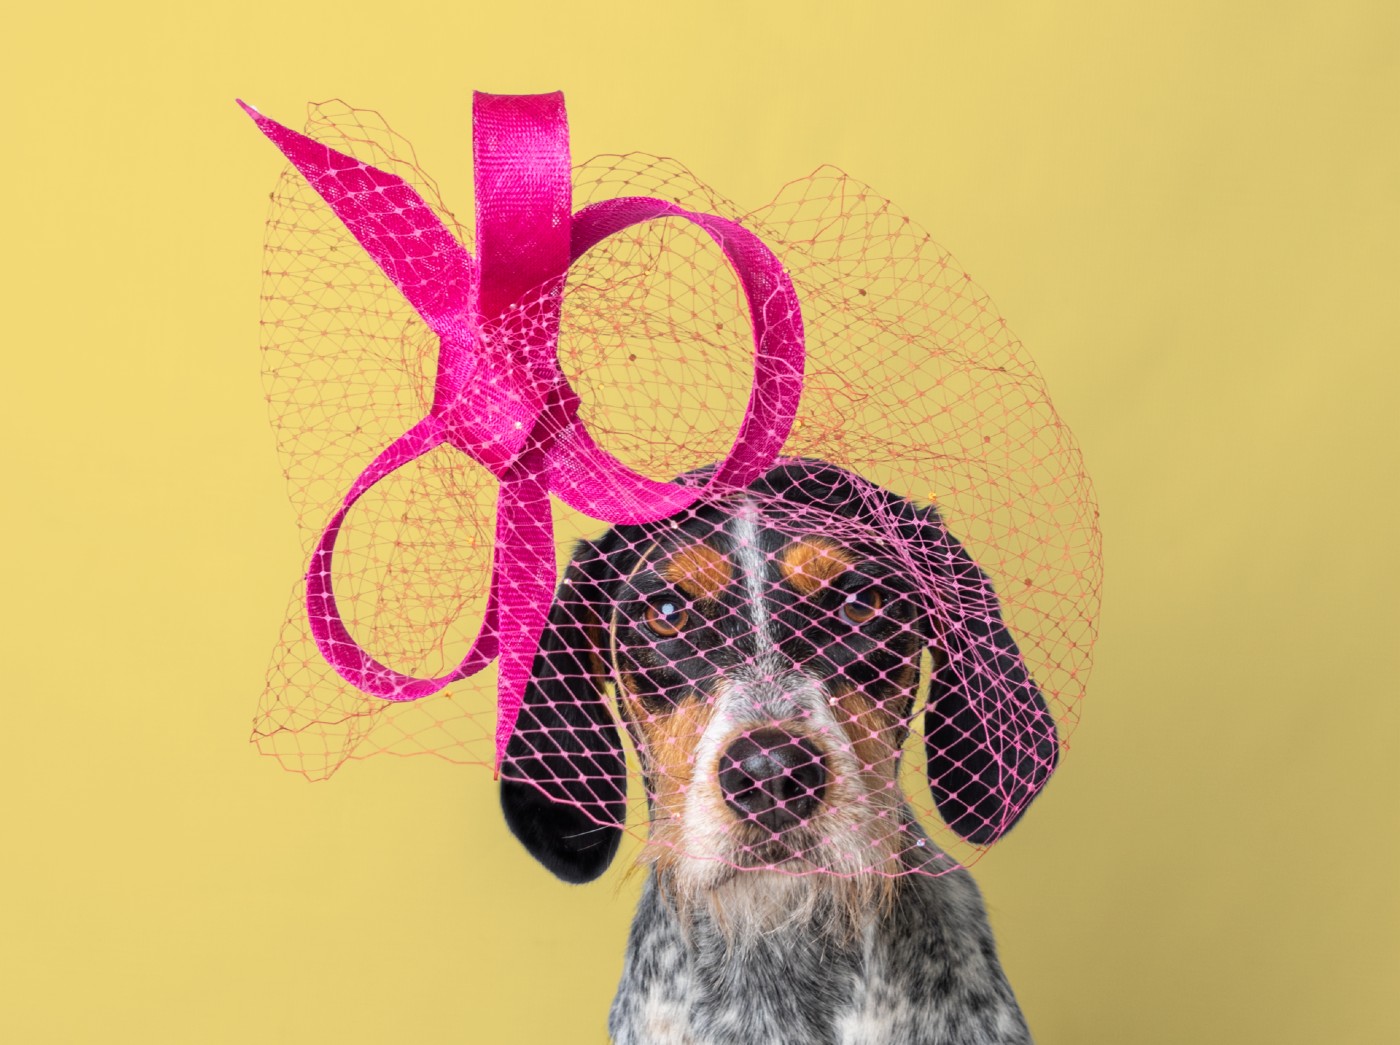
[765, 650]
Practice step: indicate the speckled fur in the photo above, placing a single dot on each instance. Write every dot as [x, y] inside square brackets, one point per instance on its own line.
[920, 972]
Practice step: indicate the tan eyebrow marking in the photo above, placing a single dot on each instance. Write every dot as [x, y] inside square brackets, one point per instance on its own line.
[813, 561]
[698, 570]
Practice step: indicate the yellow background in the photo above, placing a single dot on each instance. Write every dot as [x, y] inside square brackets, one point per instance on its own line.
[1188, 211]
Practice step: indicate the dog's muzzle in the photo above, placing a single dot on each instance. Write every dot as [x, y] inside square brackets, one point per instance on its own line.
[772, 778]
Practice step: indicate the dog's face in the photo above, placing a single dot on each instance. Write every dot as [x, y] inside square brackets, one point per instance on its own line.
[766, 666]
[764, 650]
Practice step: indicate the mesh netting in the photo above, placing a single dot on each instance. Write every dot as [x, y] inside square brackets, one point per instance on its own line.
[867, 661]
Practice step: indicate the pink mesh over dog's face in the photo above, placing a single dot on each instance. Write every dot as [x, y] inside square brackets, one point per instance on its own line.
[766, 651]
[883, 675]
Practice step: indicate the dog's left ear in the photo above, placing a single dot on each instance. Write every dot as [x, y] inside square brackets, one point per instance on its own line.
[990, 737]
[564, 777]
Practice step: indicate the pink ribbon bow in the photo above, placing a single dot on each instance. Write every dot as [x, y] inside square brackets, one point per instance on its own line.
[500, 396]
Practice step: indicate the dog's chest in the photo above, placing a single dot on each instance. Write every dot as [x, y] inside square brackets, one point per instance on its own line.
[760, 991]
[768, 995]
[928, 974]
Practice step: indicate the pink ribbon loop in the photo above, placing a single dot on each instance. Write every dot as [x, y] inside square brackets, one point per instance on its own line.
[500, 395]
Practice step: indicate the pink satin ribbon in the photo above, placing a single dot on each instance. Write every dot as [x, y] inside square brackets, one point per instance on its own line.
[500, 396]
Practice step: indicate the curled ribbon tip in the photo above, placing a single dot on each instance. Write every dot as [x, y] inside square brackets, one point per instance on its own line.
[500, 395]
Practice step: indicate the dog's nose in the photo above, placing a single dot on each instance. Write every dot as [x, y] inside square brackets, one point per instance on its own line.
[773, 778]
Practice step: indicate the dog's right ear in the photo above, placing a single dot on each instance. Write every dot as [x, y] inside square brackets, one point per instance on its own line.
[989, 734]
[564, 776]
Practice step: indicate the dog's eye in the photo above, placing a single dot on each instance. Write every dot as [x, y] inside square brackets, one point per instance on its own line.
[860, 607]
[666, 616]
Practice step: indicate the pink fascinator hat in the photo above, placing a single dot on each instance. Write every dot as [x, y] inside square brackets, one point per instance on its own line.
[703, 522]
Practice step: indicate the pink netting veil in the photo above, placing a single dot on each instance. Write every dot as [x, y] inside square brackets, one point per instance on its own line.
[864, 656]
